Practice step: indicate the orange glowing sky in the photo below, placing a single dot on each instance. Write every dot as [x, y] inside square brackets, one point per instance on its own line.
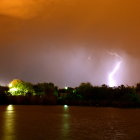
[108, 20]
[18, 8]
[29, 26]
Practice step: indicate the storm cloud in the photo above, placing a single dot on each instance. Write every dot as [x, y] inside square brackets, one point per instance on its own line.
[68, 41]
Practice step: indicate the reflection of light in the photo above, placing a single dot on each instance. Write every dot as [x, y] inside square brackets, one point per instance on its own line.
[9, 123]
[65, 106]
[10, 108]
[65, 123]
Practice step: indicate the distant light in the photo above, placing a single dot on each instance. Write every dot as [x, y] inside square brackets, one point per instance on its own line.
[66, 88]
[65, 106]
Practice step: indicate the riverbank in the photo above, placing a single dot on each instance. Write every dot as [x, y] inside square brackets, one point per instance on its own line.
[52, 100]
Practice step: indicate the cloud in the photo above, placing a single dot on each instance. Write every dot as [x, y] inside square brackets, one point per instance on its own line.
[39, 37]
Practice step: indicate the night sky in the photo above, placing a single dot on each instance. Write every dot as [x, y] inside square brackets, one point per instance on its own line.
[69, 41]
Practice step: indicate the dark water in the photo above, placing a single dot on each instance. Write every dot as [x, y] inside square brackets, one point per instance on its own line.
[68, 123]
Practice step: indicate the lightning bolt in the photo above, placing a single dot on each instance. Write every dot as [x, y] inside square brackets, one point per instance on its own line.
[111, 80]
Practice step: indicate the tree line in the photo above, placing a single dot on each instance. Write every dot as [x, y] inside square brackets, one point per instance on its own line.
[21, 92]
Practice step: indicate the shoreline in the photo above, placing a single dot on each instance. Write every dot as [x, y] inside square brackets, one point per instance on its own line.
[37, 100]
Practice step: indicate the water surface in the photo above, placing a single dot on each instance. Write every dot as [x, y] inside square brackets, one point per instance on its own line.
[68, 123]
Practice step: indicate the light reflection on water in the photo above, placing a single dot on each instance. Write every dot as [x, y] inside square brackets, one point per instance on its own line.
[115, 127]
[10, 108]
[65, 123]
[9, 123]
[68, 123]
[81, 123]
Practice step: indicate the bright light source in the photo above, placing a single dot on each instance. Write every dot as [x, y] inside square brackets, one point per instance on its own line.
[66, 88]
[13, 89]
[112, 81]
[10, 85]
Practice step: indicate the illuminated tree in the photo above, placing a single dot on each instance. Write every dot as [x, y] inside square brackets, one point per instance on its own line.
[19, 87]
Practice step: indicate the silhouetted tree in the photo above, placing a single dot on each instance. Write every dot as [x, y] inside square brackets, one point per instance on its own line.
[3, 94]
[138, 88]
[45, 89]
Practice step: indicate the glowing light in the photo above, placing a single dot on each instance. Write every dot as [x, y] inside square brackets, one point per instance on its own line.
[66, 88]
[10, 108]
[9, 123]
[13, 90]
[112, 81]
[65, 106]
[10, 85]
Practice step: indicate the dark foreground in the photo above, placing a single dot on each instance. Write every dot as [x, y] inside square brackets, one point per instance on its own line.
[68, 123]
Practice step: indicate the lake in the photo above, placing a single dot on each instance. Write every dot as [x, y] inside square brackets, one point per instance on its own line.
[68, 123]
